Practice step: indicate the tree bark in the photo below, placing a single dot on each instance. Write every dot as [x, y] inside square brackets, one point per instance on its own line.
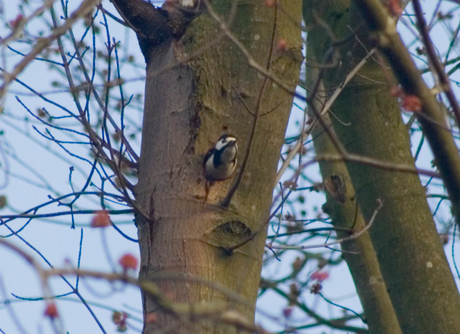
[344, 211]
[431, 117]
[409, 250]
[187, 108]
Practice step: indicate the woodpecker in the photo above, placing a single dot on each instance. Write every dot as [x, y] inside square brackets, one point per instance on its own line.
[220, 161]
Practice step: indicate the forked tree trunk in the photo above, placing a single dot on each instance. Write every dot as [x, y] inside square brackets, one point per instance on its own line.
[368, 123]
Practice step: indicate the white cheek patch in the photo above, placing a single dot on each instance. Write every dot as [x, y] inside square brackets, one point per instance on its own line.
[220, 144]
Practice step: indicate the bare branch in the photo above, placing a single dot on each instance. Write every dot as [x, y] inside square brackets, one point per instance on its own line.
[85, 8]
[339, 241]
[435, 61]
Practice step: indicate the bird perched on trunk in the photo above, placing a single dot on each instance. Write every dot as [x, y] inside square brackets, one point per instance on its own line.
[220, 161]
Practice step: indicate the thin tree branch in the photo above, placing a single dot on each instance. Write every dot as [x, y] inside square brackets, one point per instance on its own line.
[323, 111]
[435, 61]
[339, 241]
[85, 8]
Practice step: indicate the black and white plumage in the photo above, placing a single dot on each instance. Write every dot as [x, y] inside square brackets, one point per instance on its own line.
[220, 161]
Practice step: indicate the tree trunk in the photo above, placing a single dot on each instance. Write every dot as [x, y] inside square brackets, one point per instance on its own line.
[409, 250]
[345, 213]
[187, 108]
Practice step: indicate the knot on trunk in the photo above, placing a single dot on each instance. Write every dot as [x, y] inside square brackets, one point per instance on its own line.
[228, 234]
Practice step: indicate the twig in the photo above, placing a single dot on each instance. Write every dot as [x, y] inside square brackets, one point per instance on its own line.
[85, 8]
[380, 164]
[36, 265]
[63, 213]
[212, 310]
[324, 110]
[339, 241]
[435, 61]
[94, 137]
[10, 310]
[19, 28]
